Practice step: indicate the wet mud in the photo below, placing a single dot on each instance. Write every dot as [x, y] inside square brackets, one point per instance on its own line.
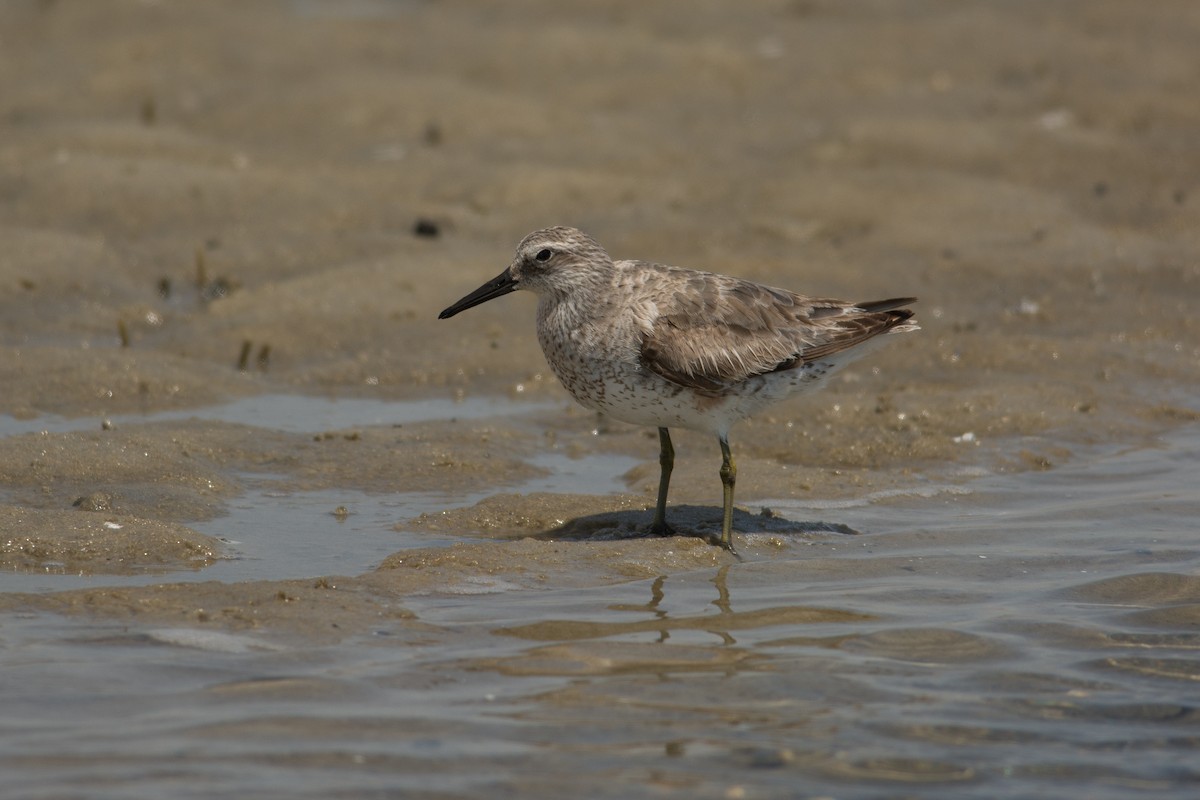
[964, 565]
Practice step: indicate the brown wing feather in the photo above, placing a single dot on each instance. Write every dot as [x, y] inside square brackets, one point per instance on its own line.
[714, 332]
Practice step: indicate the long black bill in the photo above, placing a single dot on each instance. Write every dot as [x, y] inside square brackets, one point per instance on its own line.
[498, 286]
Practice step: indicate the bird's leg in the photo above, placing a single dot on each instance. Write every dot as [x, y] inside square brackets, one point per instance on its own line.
[728, 478]
[666, 461]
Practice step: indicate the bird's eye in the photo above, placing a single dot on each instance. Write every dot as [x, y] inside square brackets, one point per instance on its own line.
[543, 255]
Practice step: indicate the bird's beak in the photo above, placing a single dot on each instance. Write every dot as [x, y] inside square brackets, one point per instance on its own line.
[498, 286]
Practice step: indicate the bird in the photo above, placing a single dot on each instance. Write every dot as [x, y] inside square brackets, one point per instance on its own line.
[668, 347]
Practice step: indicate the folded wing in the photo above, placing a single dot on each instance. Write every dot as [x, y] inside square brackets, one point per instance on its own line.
[714, 332]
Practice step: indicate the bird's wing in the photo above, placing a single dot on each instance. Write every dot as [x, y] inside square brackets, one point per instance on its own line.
[713, 332]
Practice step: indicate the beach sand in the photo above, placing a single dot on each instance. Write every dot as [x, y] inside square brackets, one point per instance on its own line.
[202, 203]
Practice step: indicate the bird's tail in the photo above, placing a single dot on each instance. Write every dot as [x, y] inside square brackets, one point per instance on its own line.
[902, 317]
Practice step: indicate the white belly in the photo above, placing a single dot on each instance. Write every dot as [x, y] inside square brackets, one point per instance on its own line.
[640, 397]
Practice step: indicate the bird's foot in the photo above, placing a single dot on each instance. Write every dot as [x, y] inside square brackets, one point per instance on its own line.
[727, 544]
[661, 528]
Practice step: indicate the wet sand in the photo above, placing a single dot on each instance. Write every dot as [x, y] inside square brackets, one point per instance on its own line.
[201, 203]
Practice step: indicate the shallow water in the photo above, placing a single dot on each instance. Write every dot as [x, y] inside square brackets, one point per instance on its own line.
[1033, 635]
[288, 412]
[238, 204]
[271, 532]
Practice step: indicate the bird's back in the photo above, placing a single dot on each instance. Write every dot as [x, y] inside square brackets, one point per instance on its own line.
[711, 332]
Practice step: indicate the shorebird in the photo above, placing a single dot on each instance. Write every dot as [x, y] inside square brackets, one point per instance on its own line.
[667, 347]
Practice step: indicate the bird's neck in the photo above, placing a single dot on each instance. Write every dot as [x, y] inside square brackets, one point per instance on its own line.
[569, 313]
[586, 300]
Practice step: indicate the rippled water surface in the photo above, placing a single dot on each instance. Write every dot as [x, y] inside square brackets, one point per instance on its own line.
[1035, 637]
[282, 596]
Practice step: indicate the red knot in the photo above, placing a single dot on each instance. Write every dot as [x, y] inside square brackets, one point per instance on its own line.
[669, 347]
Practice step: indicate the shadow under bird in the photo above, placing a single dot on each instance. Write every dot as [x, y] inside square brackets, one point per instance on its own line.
[652, 344]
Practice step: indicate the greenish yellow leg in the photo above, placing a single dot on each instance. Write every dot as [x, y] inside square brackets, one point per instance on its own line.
[666, 461]
[728, 478]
